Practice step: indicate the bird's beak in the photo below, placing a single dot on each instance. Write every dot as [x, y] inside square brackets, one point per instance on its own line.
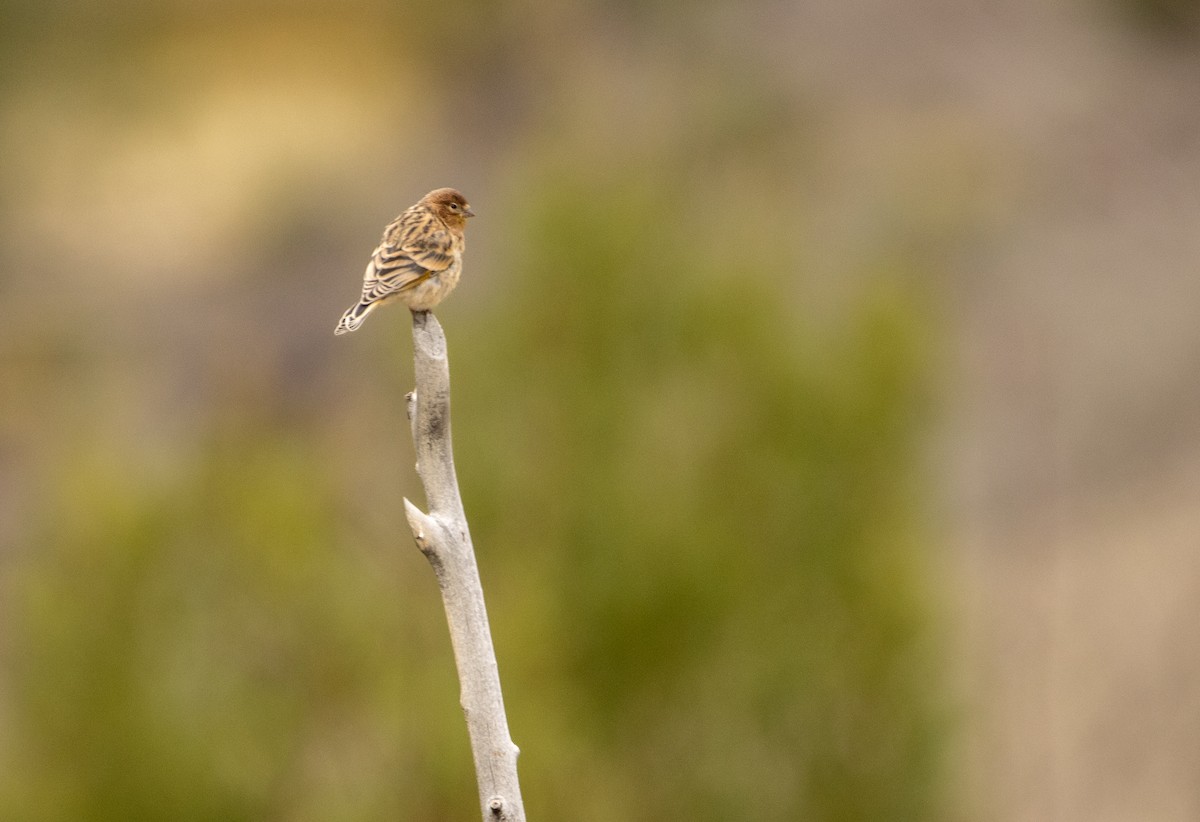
[467, 212]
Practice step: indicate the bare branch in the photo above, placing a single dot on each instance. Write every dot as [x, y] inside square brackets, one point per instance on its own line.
[443, 537]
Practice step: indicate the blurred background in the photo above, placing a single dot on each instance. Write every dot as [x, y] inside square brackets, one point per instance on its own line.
[826, 408]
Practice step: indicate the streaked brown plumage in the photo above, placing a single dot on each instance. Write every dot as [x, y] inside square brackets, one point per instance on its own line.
[419, 259]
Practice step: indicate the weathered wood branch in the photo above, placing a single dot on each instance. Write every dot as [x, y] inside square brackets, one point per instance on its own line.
[443, 537]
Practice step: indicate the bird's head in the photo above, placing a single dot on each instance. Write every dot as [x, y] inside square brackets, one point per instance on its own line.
[450, 206]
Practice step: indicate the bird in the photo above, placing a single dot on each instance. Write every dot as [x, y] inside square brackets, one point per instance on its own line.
[419, 260]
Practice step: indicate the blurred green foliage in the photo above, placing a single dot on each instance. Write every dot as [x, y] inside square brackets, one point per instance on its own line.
[692, 478]
[206, 651]
[713, 509]
[1170, 19]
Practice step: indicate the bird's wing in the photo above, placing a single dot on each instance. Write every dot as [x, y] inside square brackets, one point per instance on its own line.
[422, 237]
[402, 273]
[415, 247]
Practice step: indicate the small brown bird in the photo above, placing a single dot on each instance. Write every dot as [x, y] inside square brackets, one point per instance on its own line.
[419, 260]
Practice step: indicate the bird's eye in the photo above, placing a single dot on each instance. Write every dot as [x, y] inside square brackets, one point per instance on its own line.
[454, 206]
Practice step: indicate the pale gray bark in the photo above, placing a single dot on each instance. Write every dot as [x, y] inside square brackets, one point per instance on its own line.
[443, 537]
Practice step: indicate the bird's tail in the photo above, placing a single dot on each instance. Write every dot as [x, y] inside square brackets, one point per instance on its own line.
[353, 318]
